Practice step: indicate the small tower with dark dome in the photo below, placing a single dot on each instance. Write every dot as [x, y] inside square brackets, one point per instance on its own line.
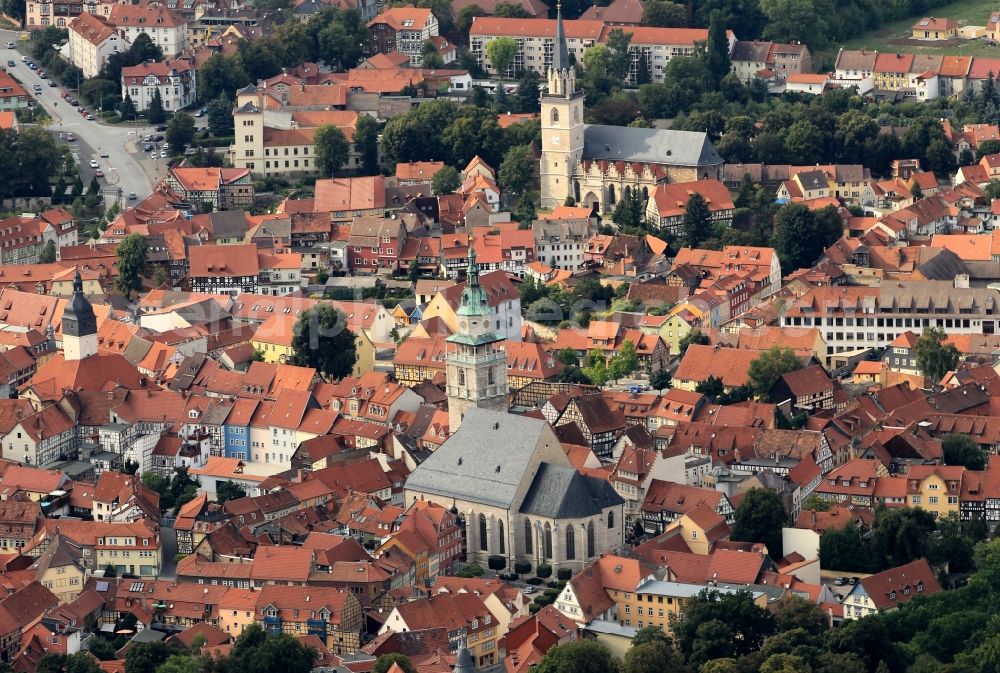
[79, 324]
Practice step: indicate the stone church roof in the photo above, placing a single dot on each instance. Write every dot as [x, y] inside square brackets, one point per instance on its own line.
[559, 492]
[652, 146]
[484, 461]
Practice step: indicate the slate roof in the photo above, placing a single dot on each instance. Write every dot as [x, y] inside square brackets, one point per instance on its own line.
[654, 146]
[465, 466]
[559, 492]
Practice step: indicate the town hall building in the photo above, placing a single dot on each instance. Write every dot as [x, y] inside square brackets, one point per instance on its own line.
[597, 164]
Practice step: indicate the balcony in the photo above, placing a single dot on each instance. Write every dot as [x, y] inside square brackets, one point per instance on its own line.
[491, 358]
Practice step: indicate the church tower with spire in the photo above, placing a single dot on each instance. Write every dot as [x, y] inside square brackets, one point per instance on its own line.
[562, 124]
[79, 325]
[475, 361]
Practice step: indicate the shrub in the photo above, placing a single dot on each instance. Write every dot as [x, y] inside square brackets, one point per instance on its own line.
[534, 581]
[472, 570]
[552, 584]
[564, 573]
[522, 567]
[544, 571]
[497, 563]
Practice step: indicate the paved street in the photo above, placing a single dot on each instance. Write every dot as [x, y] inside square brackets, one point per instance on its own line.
[123, 164]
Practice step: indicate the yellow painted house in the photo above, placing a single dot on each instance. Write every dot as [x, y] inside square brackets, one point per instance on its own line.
[660, 603]
[273, 340]
[60, 569]
[935, 488]
[671, 328]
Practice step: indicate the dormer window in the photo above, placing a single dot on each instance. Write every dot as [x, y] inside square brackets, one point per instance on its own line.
[892, 595]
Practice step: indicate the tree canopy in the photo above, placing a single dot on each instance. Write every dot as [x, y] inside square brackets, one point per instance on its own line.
[131, 254]
[769, 366]
[935, 358]
[322, 340]
[760, 518]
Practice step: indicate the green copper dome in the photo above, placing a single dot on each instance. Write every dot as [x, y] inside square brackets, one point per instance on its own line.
[474, 301]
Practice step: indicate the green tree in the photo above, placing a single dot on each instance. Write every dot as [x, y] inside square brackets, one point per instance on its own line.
[581, 656]
[568, 356]
[155, 113]
[769, 366]
[660, 379]
[466, 15]
[797, 237]
[695, 336]
[221, 76]
[785, 663]
[385, 662]
[711, 388]
[760, 518]
[332, 150]
[796, 612]
[901, 535]
[655, 656]
[843, 549]
[597, 368]
[940, 159]
[697, 221]
[220, 115]
[935, 358]
[960, 449]
[180, 131]
[628, 212]
[625, 361]
[717, 49]
[131, 254]
[48, 254]
[102, 648]
[722, 625]
[517, 170]
[949, 547]
[323, 341]
[146, 657]
[228, 490]
[160, 276]
[94, 188]
[664, 14]
[257, 652]
[180, 663]
[366, 143]
[814, 503]
[127, 108]
[501, 52]
[525, 212]
[619, 59]
[805, 143]
[445, 181]
[993, 189]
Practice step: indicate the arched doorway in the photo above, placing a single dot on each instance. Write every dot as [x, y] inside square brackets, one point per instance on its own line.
[592, 200]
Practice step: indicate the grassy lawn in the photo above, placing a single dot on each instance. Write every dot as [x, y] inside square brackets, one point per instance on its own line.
[966, 12]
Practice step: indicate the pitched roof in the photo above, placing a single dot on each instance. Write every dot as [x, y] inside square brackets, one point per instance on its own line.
[730, 365]
[671, 198]
[344, 194]
[92, 28]
[561, 492]
[896, 586]
[484, 460]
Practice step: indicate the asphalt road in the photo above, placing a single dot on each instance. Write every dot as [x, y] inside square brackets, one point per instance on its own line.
[121, 165]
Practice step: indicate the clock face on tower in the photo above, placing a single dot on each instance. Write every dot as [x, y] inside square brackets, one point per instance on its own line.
[556, 140]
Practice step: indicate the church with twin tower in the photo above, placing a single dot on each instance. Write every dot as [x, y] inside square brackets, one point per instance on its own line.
[597, 165]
